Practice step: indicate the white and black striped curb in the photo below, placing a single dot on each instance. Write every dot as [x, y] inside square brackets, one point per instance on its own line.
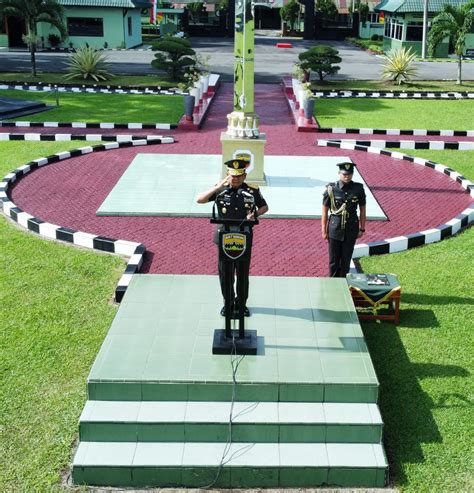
[151, 139]
[127, 126]
[134, 250]
[72, 50]
[395, 94]
[434, 145]
[401, 243]
[96, 89]
[90, 90]
[397, 131]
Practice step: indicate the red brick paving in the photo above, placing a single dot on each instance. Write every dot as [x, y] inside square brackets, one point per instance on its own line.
[68, 193]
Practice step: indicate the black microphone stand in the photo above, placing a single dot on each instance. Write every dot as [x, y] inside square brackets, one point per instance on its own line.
[234, 250]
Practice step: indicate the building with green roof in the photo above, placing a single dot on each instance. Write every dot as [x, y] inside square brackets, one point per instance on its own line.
[99, 23]
[404, 24]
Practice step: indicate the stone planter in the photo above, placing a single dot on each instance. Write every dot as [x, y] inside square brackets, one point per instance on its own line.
[296, 91]
[205, 83]
[301, 99]
[308, 109]
[294, 86]
[198, 86]
[189, 106]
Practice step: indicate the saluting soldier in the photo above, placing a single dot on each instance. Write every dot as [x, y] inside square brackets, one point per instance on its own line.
[340, 224]
[237, 200]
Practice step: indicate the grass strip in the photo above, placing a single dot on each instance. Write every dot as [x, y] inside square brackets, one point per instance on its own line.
[425, 364]
[55, 312]
[387, 113]
[375, 46]
[95, 108]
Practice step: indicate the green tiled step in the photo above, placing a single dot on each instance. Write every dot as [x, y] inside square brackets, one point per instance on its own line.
[139, 390]
[246, 465]
[125, 421]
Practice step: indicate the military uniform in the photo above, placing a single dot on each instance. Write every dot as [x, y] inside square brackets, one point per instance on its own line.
[236, 203]
[343, 223]
[231, 202]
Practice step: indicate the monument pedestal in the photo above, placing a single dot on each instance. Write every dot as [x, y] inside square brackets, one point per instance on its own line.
[255, 147]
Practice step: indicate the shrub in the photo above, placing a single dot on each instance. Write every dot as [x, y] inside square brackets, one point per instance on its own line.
[398, 65]
[87, 63]
[374, 37]
[327, 8]
[290, 12]
[175, 56]
[320, 59]
[363, 12]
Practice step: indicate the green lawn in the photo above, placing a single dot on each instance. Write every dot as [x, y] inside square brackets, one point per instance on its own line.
[425, 365]
[386, 113]
[56, 311]
[116, 108]
[118, 80]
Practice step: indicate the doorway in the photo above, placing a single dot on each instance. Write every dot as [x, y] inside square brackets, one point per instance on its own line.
[16, 28]
[267, 18]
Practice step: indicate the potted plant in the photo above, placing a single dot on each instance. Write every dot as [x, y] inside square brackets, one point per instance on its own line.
[308, 103]
[190, 92]
[202, 61]
[303, 93]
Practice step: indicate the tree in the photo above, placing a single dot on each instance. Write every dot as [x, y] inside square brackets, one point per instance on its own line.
[196, 9]
[32, 12]
[320, 59]
[363, 12]
[327, 8]
[175, 56]
[290, 12]
[456, 23]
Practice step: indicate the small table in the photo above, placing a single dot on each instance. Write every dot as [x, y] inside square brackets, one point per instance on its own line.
[370, 297]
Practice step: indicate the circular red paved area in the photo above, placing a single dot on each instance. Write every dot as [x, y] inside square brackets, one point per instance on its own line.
[68, 193]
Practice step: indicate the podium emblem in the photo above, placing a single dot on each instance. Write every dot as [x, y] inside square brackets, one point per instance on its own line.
[234, 244]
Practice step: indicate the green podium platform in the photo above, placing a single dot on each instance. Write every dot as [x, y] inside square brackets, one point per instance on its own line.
[305, 411]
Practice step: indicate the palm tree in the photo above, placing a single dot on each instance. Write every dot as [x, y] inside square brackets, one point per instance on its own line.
[32, 12]
[456, 23]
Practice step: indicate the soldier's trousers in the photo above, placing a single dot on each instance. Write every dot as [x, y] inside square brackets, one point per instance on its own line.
[244, 279]
[340, 255]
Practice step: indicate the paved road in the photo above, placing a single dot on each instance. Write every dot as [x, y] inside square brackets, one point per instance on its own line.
[270, 62]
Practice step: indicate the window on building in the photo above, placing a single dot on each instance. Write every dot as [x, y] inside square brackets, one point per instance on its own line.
[85, 26]
[398, 31]
[415, 31]
[129, 21]
[373, 17]
[393, 29]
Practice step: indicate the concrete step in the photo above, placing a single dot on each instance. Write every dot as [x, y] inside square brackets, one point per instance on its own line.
[240, 465]
[139, 390]
[123, 421]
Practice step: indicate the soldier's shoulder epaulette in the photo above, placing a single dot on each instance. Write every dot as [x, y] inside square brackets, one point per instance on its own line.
[252, 185]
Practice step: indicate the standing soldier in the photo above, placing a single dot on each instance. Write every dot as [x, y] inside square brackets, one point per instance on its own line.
[341, 200]
[234, 195]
